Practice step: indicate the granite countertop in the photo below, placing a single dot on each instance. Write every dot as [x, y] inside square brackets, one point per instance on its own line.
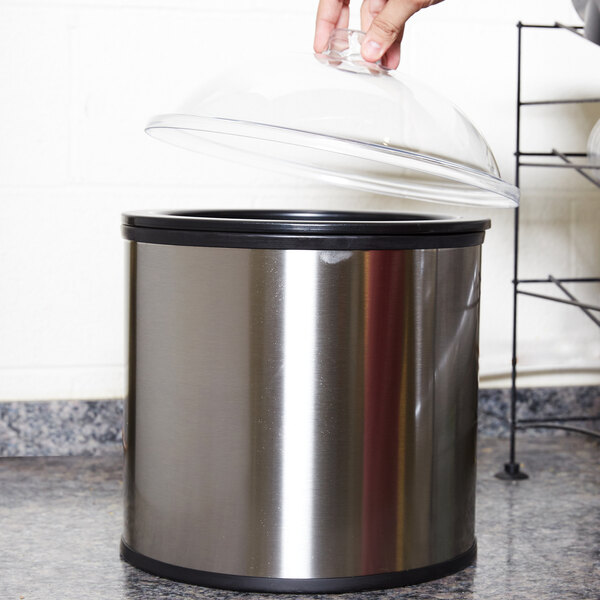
[540, 539]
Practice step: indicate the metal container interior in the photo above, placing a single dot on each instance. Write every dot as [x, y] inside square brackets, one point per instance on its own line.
[302, 399]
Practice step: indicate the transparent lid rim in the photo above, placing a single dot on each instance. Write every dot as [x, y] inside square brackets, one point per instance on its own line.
[444, 168]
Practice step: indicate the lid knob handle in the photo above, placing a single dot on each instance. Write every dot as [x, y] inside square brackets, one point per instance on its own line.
[343, 52]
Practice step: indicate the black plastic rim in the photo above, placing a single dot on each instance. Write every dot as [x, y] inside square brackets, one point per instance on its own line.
[319, 230]
[244, 583]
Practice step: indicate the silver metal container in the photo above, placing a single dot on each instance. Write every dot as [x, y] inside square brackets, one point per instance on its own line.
[302, 404]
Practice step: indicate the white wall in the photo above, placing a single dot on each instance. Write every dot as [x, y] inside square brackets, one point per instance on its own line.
[81, 77]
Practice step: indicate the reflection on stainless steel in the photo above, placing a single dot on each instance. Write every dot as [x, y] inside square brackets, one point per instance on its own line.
[295, 415]
[298, 411]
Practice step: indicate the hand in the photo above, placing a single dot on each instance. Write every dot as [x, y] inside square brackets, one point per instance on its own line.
[383, 21]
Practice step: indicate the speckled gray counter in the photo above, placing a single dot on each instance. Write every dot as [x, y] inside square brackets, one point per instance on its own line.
[538, 539]
[61, 428]
[93, 427]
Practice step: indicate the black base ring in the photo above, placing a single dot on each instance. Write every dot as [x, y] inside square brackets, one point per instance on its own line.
[243, 583]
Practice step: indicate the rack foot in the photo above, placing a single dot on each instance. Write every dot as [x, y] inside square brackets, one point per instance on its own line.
[511, 472]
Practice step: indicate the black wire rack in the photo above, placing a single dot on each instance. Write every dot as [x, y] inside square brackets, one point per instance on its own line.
[578, 162]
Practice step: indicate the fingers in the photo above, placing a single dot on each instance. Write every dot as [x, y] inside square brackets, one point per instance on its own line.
[391, 59]
[344, 19]
[387, 28]
[385, 20]
[366, 17]
[331, 14]
[368, 12]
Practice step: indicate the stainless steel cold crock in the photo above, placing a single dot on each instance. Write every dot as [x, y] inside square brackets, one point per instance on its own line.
[302, 404]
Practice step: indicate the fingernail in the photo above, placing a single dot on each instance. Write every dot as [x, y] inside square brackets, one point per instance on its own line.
[371, 50]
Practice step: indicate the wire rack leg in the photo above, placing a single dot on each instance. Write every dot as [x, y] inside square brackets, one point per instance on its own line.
[512, 469]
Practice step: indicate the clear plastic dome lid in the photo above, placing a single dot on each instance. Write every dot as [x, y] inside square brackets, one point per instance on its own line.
[335, 117]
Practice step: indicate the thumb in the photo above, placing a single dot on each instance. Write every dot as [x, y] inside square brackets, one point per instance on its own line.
[387, 27]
